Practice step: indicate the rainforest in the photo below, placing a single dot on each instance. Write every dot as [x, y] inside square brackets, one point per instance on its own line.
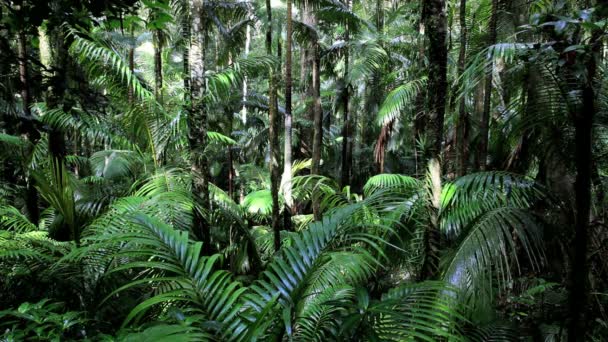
[303, 170]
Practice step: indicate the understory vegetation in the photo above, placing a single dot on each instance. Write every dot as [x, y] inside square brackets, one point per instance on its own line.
[311, 170]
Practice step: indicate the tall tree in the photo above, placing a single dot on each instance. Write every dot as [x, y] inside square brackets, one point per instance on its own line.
[158, 64]
[347, 143]
[434, 17]
[130, 59]
[487, 101]
[462, 122]
[288, 153]
[583, 126]
[317, 123]
[306, 82]
[31, 201]
[55, 97]
[317, 110]
[273, 134]
[197, 124]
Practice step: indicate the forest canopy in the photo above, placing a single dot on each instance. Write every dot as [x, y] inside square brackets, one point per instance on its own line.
[311, 170]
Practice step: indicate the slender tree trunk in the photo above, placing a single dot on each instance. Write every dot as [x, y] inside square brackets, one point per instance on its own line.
[58, 85]
[287, 158]
[307, 57]
[273, 133]
[487, 102]
[158, 65]
[31, 200]
[380, 15]
[247, 44]
[231, 172]
[158, 78]
[375, 91]
[318, 126]
[420, 115]
[583, 124]
[346, 128]
[187, 41]
[23, 72]
[131, 61]
[197, 124]
[461, 129]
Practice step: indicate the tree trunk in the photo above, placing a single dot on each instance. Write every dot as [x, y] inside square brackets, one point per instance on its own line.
[436, 26]
[158, 65]
[56, 91]
[273, 134]
[307, 57]
[346, 128]
[461, 128]
[434, 16]
[287, 157]
[197, 124]
[487, 102]
[247, 44]
[31, 200]
[318, 126]
[583, 122]
[186, 38]
[380, 15]
[231, 172]
[131, 61]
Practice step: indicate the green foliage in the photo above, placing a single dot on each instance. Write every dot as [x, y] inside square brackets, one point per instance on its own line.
[41, 321]
[102, 206]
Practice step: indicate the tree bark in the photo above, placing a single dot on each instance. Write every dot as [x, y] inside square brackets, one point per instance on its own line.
[158, 65]
[461, 129]
[131, 61]
[287, 156]
[487, 102]
[436, 26]
[434, 17]
[307, 57]
[346, 128]
[31, 200]
[273, 133]
[247, 44]
[197, 124]
[56, 91]
[318, 126]
[231, 171]
[583, 124]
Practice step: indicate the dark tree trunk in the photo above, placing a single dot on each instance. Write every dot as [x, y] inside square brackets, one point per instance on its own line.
[436, 26]
[434, 17]
[487, 102]
[197, 124]
[58, 84]
[579, 274]
[31, 199]
[273, 134]
[158, 65]
[462, 124]
[231, 172]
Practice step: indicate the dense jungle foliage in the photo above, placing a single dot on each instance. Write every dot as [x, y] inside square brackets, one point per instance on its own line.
[311, 170]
